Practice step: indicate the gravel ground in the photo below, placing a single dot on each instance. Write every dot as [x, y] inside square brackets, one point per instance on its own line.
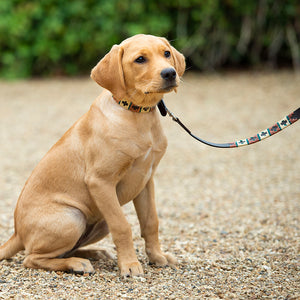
[231, 216]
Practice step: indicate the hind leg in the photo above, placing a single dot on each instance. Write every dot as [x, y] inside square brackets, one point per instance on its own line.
[72, 264]
[49, 238]
[93, 253]
[93, 235]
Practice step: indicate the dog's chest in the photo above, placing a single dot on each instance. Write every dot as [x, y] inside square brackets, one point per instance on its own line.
[141, 170]
[144, 166]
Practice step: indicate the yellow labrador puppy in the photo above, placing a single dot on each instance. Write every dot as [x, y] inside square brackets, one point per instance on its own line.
[73, 197]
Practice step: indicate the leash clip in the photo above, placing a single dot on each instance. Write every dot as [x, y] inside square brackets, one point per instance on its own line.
[164, 110]
[170, 114]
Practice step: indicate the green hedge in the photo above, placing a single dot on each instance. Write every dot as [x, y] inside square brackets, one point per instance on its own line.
[57, 37]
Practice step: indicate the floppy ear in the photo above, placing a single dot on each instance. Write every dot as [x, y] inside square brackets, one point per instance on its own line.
[108, 73]
[179, 61]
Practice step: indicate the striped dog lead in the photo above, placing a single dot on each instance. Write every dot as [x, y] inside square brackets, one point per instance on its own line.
[280, 125]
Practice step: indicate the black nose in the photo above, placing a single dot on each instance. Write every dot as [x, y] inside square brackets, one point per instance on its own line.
[168, 74]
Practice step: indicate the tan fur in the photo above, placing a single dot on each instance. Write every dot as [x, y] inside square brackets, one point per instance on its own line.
[73, 197]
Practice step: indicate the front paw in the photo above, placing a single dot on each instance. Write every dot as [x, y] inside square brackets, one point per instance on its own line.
[131, 269]
[162, 259]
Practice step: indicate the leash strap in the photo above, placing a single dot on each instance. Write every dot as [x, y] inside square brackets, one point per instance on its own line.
[280, 125]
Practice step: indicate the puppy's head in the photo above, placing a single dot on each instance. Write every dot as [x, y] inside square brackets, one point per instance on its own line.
[140, 69]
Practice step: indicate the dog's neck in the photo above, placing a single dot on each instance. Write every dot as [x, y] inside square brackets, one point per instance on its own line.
[134, 108]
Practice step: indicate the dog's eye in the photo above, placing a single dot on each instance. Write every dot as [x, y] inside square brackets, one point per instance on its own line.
[167, 54]
[140, 60]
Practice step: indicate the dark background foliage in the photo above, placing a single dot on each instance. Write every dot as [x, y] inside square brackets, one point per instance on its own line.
[58, 37]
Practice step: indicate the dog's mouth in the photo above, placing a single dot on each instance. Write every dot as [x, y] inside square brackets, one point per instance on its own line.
[162, 90]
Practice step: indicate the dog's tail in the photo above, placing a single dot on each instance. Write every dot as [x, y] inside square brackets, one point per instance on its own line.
[11, 247]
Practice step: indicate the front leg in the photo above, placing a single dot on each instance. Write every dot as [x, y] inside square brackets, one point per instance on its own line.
[145, 207]
[105, 196]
